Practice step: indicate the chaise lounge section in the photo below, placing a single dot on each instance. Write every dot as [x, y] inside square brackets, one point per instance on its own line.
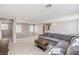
[61, 43]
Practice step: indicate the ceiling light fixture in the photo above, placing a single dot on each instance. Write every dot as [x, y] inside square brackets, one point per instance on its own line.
[48, 5]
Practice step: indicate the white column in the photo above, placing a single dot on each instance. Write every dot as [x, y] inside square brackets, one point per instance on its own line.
[34, 29]
[78, 26]
[14, 30]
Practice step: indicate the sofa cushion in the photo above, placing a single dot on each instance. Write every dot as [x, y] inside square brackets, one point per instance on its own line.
[52, 43]
[58, 36]
[67, 37]
[75, 39]
[51, 39]
[58, 51]
[73, 49]
[62, 44]
[60, 48]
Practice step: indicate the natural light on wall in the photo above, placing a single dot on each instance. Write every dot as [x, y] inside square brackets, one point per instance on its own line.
[31, 28]
[35, 28]
[18, 28]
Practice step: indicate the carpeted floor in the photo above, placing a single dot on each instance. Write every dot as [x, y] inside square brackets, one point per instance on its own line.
[25, 46]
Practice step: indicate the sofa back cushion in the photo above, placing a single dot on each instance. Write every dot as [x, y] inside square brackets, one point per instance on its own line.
[67, 37]
[62, 44]
[60, 36]
[45, 34]
[51, 35]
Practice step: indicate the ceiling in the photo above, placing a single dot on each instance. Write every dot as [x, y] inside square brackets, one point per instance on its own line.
[38, 12]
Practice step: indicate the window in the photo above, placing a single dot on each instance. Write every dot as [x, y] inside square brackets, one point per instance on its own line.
[31, 28]
[18, 28]
[4, 26]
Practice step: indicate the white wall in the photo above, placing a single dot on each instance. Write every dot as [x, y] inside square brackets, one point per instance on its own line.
[66, 27]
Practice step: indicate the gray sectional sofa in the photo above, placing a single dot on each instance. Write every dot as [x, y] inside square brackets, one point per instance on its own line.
[62, 44]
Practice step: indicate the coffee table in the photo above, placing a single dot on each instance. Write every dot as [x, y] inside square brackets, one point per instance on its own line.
[42, 43]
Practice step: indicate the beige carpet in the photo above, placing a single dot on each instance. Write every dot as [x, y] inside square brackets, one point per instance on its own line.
[25, 46]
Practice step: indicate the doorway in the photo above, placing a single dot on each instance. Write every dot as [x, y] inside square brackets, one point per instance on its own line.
[46, 28]
[6, 29]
